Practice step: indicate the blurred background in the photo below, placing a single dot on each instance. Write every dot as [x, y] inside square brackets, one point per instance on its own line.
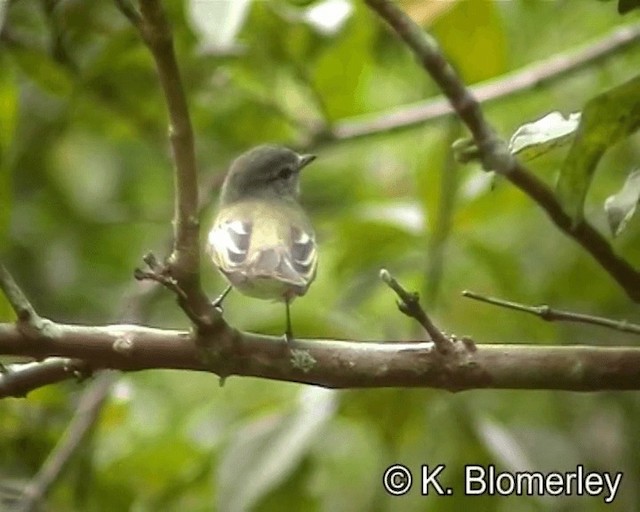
[86, 189]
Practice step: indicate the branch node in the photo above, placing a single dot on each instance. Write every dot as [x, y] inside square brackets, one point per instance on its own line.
[469, 344]
[123, 345]
[545, 312]
[409, 304]
[27, 318]
[160, 274]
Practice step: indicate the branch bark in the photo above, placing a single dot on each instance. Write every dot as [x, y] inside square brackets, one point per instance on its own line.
[21, 381]
[334, 363]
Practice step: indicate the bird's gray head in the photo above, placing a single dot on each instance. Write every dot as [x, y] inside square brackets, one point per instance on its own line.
[266, 170]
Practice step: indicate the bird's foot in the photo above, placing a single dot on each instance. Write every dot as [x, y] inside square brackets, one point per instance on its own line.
[217, 303]
[288, 337]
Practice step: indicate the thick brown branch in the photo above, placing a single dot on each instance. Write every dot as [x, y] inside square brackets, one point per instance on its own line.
[494, 153]
[338, 364]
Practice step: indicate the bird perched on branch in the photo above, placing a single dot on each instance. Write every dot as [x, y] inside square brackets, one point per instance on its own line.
[262, 240]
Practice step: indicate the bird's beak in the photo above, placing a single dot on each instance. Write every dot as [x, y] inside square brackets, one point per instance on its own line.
[305, 160]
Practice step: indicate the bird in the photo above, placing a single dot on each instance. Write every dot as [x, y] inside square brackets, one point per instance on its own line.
[261, 239]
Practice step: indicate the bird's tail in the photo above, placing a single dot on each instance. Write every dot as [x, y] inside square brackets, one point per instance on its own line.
[276, 262]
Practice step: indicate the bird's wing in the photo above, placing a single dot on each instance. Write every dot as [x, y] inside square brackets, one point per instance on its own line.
[228, 243]
[304, 254]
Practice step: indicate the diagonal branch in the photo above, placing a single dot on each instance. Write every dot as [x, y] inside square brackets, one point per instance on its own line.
[552, 315]
[17, 299]
[494, 153]
[409, 304]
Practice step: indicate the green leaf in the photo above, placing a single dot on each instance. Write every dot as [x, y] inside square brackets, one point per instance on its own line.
[552, 131]
[265, 452]
[606, 119]
[620, 207]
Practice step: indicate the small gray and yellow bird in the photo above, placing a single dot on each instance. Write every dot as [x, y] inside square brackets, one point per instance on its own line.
[262, 240]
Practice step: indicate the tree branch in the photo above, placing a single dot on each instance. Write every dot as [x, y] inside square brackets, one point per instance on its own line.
[409, 304]
[183, 265]
[25, 378]
[17, 299]
[552, 315]
[494, 153]
[337, 364]
[524, 79]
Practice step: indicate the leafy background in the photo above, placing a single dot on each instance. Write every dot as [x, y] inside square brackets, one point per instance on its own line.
[86, 189]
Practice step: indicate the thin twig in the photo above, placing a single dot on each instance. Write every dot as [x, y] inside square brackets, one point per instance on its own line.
[521, 80]
[551, 315]
[17, 299]
[409, 304]
[494, 153]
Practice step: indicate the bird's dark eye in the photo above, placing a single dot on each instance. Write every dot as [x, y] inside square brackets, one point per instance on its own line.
[285, 173]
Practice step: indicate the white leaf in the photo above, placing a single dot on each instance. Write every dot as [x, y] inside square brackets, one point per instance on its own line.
[620, 207]
[217, 22]
[329, 16]
[551, 131]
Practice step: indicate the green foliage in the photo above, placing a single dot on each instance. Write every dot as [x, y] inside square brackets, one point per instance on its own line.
[606, 119]
[86, 189]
